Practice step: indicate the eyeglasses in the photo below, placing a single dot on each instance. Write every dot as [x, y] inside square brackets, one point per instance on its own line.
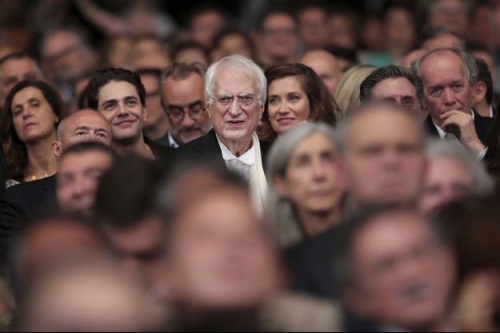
[245, 100]
[178, 113]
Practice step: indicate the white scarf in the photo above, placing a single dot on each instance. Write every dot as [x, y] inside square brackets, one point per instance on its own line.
[258, 181]
[257, 178]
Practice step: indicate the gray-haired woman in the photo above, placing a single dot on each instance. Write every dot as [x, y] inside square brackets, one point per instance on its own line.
[307, 183]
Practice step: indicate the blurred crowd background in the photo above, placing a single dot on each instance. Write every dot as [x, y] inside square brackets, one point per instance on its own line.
[351, 220]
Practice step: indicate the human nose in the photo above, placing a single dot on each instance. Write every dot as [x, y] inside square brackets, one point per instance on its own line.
[283, 109]
[319, 170]
[122, 109]
[187, 121]
[234, 108]
[449, 97]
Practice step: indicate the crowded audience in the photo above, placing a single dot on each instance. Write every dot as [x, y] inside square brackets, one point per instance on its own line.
[249, 165]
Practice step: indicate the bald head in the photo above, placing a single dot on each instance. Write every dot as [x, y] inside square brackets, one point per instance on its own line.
[326, 66]
[82, 126]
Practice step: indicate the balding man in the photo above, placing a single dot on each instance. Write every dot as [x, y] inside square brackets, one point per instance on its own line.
[26, 201]
[449, 77]
[326, 66]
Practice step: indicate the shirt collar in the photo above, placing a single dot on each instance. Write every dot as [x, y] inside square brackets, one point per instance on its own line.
[248, 158]
[171, 141]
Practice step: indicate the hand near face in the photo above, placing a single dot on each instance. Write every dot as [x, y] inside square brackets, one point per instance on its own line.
[464, 122]
[477, 303]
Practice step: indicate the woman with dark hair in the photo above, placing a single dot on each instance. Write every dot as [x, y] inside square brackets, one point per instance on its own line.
[295, 94]
[32, 111]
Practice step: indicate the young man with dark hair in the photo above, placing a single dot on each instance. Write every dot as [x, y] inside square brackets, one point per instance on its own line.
[120, 96]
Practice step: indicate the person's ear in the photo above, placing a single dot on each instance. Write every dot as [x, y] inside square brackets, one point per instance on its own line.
[280, 185]
[481, 91]
[145, 114]
[207, 106]
[57, 148]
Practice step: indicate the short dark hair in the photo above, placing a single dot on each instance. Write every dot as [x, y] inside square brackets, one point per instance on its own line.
[103, 77]
[343, 53]
[127, 193]
[179, 71]
[484, 76]
[273, 12]
[86, 147]
[16, 56]
[429, 34]
[156, 72]
[188, 45]
[390, 72]
[208, 7]
[231, 31]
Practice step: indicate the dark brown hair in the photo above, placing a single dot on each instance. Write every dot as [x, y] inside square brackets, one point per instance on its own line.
[323, 106]
[17, 157]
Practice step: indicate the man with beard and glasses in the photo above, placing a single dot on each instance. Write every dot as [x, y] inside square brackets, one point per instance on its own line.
[184, 103]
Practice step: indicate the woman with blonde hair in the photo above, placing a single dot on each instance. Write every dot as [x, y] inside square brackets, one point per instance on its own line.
[348, 89]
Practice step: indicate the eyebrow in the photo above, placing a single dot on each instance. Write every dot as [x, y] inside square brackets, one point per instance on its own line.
[115, 100]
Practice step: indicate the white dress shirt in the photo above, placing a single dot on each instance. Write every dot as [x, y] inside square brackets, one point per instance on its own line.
[171, 141]
[241, 164]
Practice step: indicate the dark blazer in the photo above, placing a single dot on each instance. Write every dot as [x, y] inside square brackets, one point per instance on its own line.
[163, 154]
[23, 203]
[207, 148]
[480, 123]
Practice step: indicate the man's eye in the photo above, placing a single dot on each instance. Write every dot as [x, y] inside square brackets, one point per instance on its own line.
[131, 103]
[225, 100]
[81, 133]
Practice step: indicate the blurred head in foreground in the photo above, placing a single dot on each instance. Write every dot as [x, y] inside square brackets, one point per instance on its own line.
[87, 295]
[396, 270]
[219, 254]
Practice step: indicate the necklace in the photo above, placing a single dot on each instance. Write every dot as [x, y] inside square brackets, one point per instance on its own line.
[33, 175]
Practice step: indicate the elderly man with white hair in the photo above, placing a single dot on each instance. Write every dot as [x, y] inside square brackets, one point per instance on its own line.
[235, 93]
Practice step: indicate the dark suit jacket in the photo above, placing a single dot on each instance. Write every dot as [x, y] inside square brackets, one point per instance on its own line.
[23, 203]
[480, 123]
[163, 154]
[207, 148]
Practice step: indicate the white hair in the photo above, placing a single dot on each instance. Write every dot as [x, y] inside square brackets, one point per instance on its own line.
[279, 210]
[242, 65]
[482, 182]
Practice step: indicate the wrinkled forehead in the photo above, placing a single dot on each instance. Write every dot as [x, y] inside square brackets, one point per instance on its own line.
[233, 81]
[442, 62]
[90, 119]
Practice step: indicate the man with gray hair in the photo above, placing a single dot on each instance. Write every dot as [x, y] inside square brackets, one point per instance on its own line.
[183, 100]
[235, 95]
[449, 77]
[453, 174]
[396, 84]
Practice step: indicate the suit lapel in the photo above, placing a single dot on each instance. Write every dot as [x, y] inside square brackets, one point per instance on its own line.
[430, 127]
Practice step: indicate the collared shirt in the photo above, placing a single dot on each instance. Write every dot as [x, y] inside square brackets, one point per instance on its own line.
[241, 164]
[171, 141]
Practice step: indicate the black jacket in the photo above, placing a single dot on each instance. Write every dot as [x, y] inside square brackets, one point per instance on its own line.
[207, 148]
[23, 203]
[480, 123]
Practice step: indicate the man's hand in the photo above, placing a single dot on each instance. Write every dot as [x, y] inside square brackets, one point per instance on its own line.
[468, 135]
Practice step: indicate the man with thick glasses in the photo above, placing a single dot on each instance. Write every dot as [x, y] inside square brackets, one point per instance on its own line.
[235, 94]
[184, 103]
